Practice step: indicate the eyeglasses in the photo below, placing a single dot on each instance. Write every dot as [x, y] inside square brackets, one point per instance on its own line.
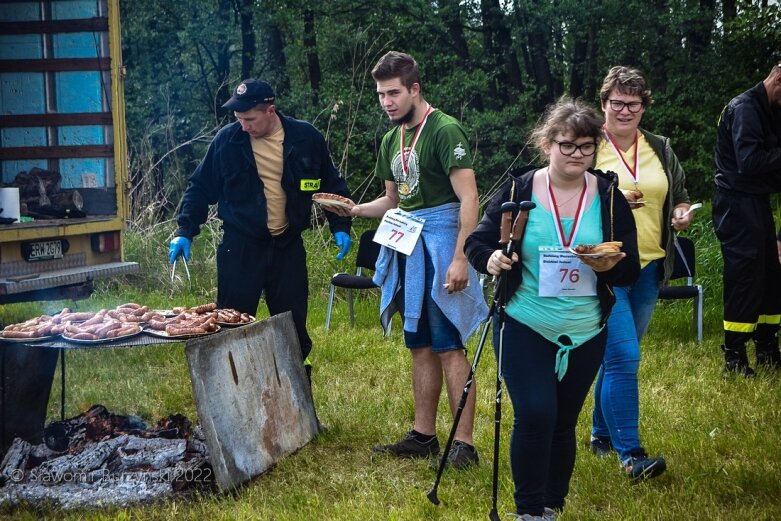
[618, 105]
[568, 148]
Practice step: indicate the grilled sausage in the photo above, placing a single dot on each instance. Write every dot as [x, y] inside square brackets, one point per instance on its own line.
[96, 319]
[123, 331]
[175, 330]
[18, 334]
[205, 308]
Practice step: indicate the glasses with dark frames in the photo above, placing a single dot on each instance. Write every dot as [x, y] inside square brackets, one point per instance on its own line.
[568, 148]
[617, 105]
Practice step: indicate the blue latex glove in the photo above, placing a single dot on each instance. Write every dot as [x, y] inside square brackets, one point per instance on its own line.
[179, 246]
[342, 240]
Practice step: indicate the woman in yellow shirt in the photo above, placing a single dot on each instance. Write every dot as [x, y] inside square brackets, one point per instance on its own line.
[653, 183]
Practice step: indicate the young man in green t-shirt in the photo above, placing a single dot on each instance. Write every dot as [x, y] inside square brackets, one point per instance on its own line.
[427, 169]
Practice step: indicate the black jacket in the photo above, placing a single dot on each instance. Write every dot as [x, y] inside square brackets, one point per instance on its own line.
[484, 240]
[228, 177]
[748, 144]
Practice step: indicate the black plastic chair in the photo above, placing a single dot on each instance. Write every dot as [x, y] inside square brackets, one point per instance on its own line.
[368, 251]
[685, 268]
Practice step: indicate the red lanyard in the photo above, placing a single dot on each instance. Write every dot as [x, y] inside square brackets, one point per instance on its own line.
[578, 213]
[405, 157]
[633, 171]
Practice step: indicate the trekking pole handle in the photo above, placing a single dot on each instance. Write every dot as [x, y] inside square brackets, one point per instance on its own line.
[505, 228]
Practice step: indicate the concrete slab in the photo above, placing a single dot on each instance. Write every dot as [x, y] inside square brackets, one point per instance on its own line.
[252, 396]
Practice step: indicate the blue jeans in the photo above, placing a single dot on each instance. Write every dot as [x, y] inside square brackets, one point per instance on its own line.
[616, 402]
[434, 328]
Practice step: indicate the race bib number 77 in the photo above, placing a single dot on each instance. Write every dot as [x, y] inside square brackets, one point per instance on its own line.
[399, 230]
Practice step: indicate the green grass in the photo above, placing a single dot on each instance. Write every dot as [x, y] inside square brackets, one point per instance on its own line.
[720, 435]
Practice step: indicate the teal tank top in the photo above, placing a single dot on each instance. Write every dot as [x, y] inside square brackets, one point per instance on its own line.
[567, 322]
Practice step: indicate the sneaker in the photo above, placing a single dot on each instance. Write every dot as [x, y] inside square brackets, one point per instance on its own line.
[639, 466]
[547, 515]
[601, 446]
[410, 447]
[462, 455]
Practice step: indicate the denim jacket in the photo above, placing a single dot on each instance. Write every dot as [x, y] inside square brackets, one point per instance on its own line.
[228, 176]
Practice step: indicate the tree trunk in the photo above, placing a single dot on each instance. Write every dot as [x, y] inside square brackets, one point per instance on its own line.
[451, 16]
[729, 10]
[579, 63]
[275, 52]
[497, 42]
[313, 62]
[699, 30]
[537, 45]
[593, 81]
[248, 43]
[223, 62]
[659, 57]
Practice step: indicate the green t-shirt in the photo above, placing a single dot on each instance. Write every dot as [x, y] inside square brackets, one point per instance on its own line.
[441, 146]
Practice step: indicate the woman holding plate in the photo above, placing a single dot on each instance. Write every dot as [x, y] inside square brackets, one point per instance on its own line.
[550, 340]
[653, 182]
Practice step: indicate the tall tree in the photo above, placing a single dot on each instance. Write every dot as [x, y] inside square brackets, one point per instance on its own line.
[313, 62]
[244, 8]
[535, 26]
[502, 59]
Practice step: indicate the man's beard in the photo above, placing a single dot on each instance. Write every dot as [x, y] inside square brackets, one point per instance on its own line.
[406, 118]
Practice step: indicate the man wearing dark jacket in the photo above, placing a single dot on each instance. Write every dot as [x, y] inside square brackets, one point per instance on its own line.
[262, 171]
[748, 170]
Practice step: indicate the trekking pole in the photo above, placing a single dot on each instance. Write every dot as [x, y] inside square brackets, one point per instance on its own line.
[505, 232]
[515, 237]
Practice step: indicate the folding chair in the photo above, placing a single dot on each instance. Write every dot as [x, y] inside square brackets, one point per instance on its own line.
[685, 268]
[368, 251]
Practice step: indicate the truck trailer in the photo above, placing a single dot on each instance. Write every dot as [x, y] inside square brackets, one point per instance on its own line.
[63, 148]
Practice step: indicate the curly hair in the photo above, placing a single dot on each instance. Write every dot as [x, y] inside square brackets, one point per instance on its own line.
[626, 80]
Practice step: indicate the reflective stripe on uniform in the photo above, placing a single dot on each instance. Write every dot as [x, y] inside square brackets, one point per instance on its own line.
[769, 319]
[739, 327]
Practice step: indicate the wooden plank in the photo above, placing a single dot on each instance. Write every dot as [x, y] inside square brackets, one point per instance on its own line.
[56, 65]
[252, 395]
[80, 25]
[56, 120]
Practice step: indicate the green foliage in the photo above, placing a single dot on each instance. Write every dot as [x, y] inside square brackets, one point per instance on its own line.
[179, 61]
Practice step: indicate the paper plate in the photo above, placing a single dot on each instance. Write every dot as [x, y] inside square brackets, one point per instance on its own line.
[324, 199]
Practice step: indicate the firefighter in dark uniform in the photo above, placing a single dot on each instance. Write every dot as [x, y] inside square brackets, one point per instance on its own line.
[262, 171]
[748, 171]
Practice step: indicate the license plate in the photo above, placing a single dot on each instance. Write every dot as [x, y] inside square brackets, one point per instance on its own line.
[44, 250]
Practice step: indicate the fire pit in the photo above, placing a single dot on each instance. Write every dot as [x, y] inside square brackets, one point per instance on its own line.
[249, 386]
[100, 458]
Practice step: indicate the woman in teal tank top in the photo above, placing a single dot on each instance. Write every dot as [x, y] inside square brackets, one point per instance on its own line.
[554, 327]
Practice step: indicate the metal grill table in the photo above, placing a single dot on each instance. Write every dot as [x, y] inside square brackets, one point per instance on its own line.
[139, 340]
